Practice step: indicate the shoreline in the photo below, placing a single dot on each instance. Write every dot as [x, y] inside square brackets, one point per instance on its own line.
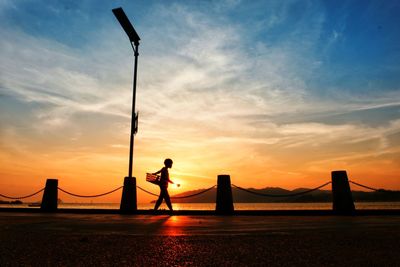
[361, 212]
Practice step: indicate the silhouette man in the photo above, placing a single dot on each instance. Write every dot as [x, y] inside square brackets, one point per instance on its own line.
[164, 180]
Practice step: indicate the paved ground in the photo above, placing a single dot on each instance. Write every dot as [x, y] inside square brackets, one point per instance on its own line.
[146, 240]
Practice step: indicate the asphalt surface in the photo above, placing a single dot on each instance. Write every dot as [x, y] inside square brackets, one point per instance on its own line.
[34, 239]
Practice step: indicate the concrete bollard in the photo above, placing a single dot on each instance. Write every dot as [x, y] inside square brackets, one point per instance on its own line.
[50, 196]
[341, 194]
[224, 201]
[128, 199]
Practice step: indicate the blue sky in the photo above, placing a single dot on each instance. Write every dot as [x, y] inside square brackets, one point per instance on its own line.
[352, 36]
[273, 79]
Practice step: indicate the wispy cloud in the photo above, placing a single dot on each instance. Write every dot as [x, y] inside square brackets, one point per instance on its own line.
[208, 91]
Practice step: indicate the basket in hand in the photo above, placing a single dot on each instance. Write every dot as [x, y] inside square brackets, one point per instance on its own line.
[152, 178]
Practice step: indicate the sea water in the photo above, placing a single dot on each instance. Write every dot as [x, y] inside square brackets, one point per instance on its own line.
[211, 206]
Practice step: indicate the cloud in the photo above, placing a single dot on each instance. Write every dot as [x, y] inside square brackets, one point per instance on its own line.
[6, 4]
[208, 73]
[48, 72]
[194, 64]
[204, 91]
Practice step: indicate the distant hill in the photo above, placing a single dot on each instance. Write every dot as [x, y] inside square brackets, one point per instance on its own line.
[240, 196]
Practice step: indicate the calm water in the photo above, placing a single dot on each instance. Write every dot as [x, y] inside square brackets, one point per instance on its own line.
[238, 206]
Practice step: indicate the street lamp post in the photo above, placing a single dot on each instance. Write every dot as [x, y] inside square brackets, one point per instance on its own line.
[134, 40]
[129, 200]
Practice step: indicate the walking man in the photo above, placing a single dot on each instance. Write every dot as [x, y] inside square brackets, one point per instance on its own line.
[164, 180]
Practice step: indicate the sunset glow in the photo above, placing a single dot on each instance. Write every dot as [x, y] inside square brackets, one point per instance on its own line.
[275, 94]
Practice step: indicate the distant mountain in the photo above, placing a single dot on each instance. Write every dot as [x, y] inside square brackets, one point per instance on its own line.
[240, 196]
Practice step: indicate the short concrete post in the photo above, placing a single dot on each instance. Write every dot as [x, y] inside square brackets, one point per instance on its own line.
[341, 194]
[128, 199]
[224, 196]
[50, 196]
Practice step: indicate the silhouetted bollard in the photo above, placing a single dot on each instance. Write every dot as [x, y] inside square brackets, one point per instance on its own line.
[224, 195]
[50, 196]
[341, 194]
[128, 199]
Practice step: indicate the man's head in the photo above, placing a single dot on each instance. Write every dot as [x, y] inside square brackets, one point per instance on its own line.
[168, 163]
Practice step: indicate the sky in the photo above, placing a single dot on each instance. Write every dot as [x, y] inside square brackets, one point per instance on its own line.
[273, 93]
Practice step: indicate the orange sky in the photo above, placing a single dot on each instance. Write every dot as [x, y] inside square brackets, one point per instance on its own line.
[196, 165]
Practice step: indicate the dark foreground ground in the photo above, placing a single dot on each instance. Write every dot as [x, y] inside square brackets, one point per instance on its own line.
[29, 239]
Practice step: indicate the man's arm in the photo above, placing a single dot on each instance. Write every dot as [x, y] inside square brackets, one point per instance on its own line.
[155, 173]
[178, 185]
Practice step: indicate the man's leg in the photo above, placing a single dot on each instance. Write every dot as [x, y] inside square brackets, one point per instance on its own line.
[159, 200]
[167, 199]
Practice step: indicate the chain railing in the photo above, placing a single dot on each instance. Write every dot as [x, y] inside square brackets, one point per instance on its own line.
[195, 194]
[31, 195]
[366, 187]
[281, 195]
[106, 193]
[179, 197]
[148, 192]
[90, 196]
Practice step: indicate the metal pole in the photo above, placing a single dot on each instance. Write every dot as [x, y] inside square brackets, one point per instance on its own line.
[133, 119]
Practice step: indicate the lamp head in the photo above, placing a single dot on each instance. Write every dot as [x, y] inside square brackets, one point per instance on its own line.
[126, 25]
